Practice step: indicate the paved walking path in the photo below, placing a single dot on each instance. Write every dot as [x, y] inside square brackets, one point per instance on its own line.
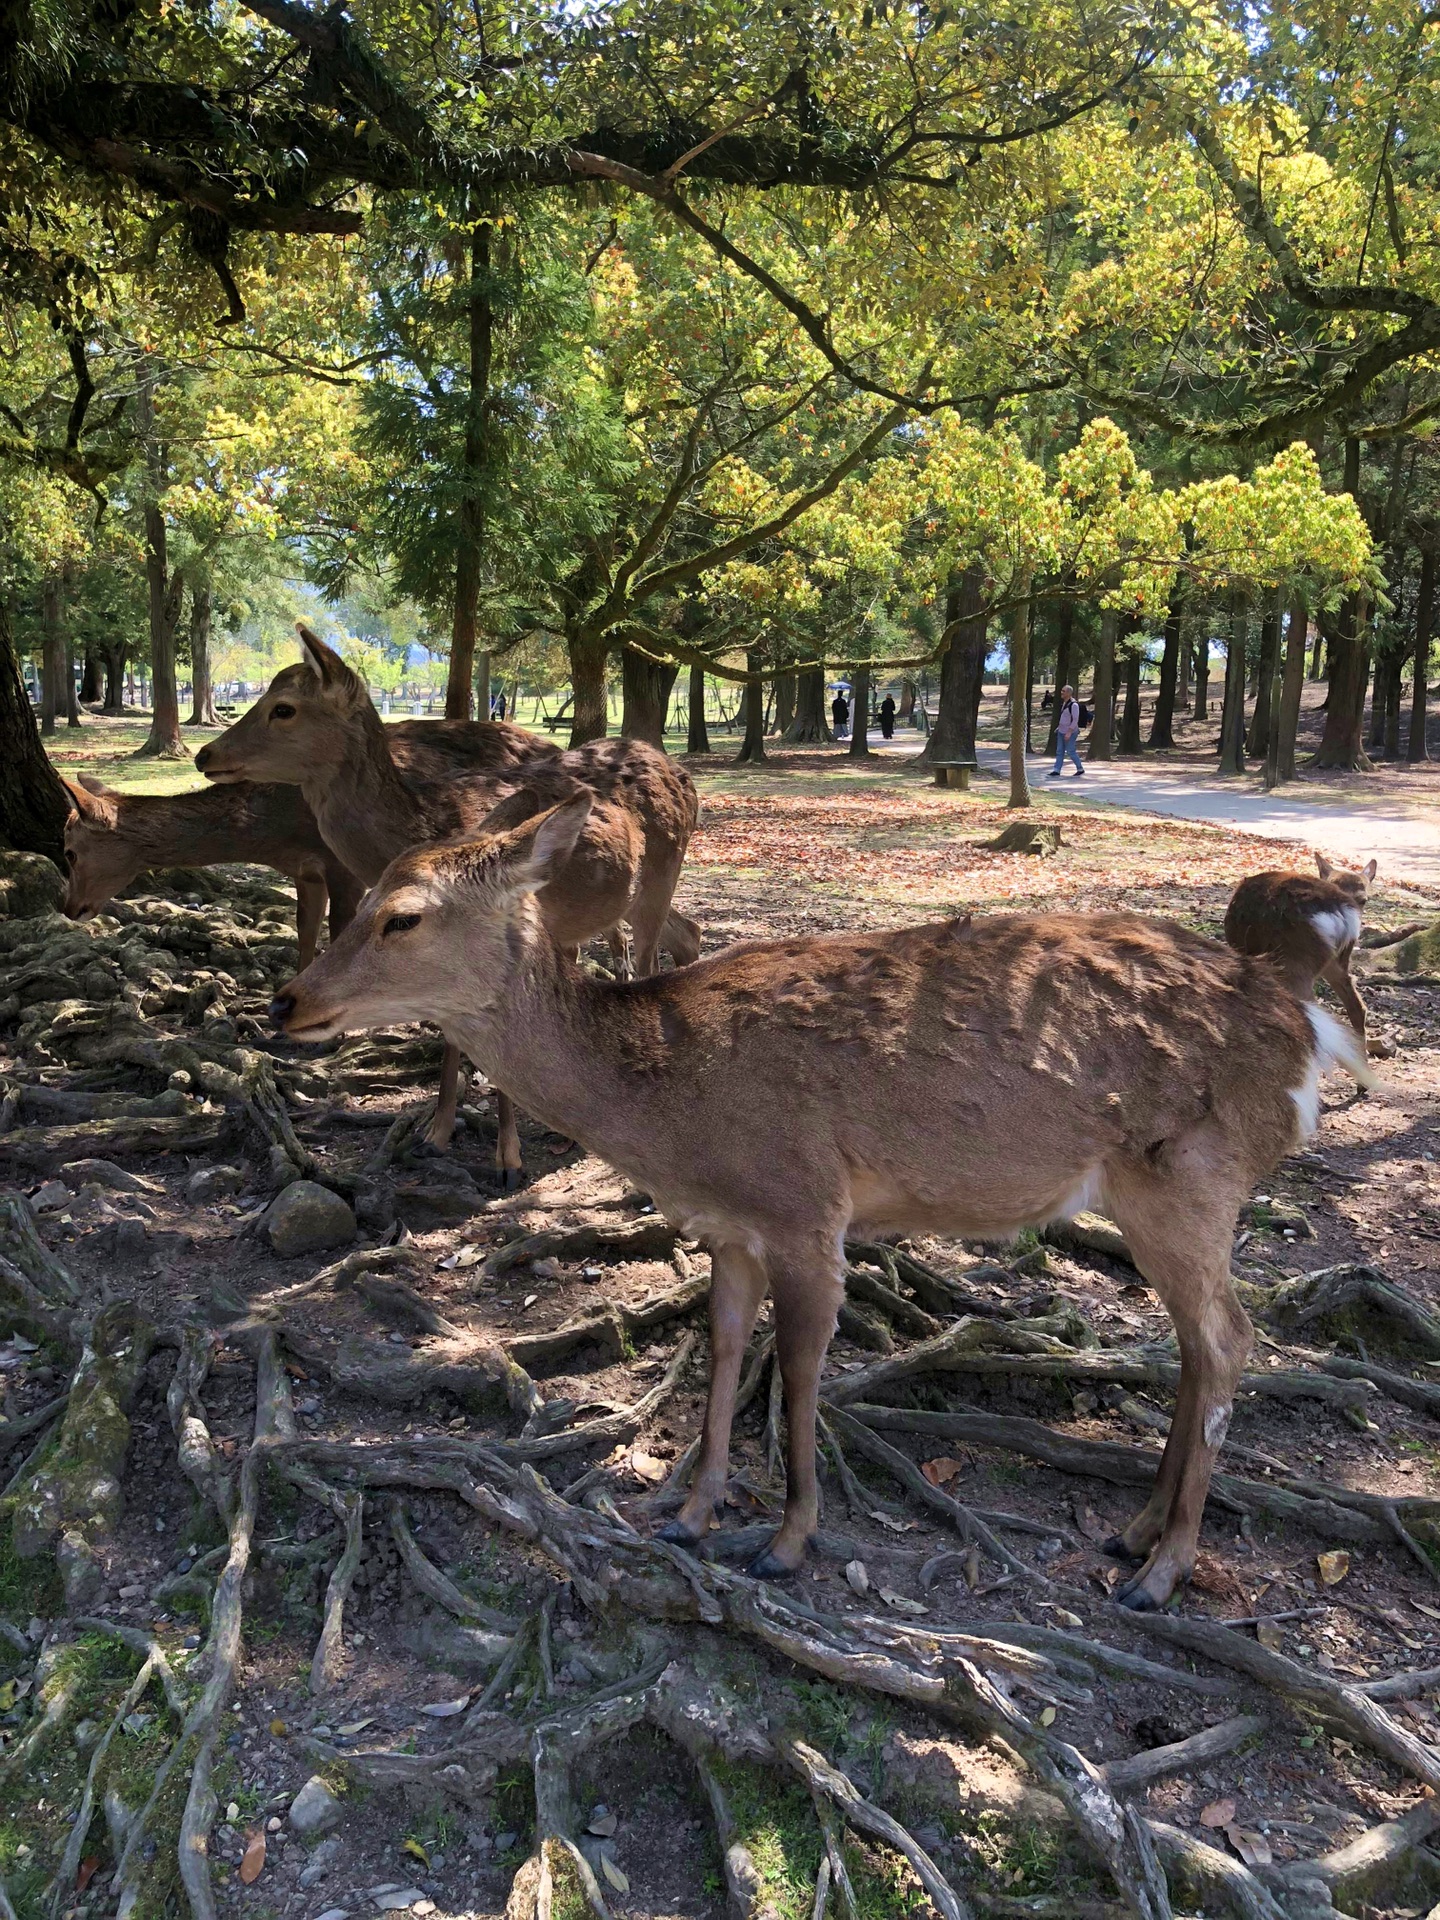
[1405, 842]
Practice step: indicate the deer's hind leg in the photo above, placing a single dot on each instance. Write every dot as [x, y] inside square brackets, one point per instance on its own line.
[808, 1285]
[1179, 1219]
[1336, 974]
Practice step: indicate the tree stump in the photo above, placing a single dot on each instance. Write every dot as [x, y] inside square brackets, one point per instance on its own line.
[1025, 836]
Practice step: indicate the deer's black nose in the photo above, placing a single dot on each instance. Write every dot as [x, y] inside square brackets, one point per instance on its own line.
[202, 758]
[281, 1008]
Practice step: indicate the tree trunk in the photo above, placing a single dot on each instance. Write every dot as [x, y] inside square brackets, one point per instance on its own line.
[1162, 727]
[1201, 709]
[1257, 743]
[114, 679]
[752, 747]
[1182, 678]
[52, 656]
[590, 718]
[697, 737]
[1232, 711]
[1020, 701]
[90, 678]
[962, 672]
[202, 707]
[1315, 658]
[1424, 616]
[1280, 761]
[1342, 743]
[72, 698]
[810, 727]
[470, 530]
[1130, 741]
[784, 702]
[482, 683]
[33, 804]
[1383, 668]
[1029, 675]
[1064, 645]
[860, 714]
[166, 589]
[646, 686]
[1390, 744]
[1103, 723]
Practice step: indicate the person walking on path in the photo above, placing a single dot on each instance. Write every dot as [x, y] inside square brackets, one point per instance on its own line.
[840, 713]
[1067, 733]
[887, 718]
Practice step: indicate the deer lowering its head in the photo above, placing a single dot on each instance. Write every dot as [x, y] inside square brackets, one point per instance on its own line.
[316, 727]
[111, 837]
[969, 1078]
[1309, 927]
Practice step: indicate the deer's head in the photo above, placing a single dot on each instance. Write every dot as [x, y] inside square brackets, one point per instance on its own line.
[99, 858]
[304, 721]
[1356, 886]
[441, 933]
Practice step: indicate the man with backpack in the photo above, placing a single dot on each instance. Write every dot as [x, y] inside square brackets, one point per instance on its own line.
[1067, 733]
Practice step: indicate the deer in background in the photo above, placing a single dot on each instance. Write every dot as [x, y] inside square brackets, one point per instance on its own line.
[1308, 926]
[970, 1078]
[316, 726]
[112, 837]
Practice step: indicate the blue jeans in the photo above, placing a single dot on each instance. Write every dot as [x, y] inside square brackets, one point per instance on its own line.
[1067, 743]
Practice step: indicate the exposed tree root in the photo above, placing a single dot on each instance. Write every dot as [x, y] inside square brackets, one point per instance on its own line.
[22, 1247]
[935, 1291]
[1422, 1395]
[438, 1586]
[650, 1238]
[325, 1667]
[1339, 1290]
[1129, 1776]
[1207, 1873]
[612, 1329]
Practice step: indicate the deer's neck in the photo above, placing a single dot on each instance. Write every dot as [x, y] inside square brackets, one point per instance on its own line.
[364, 809]
[574, 1051]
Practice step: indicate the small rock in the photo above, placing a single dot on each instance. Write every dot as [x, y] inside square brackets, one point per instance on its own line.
[130, 1239]
[505, 1841]
[51, 1197]
[213, 1183]
[400, 1899]
[86, 1733]
[330, 1913]
[305, 1216]
[132, 1593]
[30, 885]
[321, 1861]
[314, 1810]
[272, 1825]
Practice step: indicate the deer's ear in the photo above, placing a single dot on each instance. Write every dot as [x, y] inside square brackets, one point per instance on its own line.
[1369, 872]
[1324, 866]
[97, 809]
[540, 848]
[325, 663]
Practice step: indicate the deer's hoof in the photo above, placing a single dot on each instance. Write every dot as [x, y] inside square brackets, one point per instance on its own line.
[1135, 1599]
[1116, 1549]
[678, 1535]
[766, 1566]
[511, 1179]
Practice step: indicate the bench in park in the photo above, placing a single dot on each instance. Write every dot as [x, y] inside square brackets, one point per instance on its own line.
[954, 773]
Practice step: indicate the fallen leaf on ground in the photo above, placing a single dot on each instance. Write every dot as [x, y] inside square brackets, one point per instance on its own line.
[892, 1525]
[253, 1858]
[1047, 1718]
[1219, 1813]
[613, 1874]
[856, 1575]
[648, 1467]
[447, 1709]
[1063, 1614]
[1270, 1635]
[1333, 1566]
[1092, 1526]
[942, 1471]
[87, 1871]
[416, 1851]
[900, 1603]
[603, 1822]
[1212, 1576]
[277, 1727]
[1253, 1848]
[356, 1726]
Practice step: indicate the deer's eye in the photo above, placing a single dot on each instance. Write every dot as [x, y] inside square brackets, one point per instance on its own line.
[282, 710]
[69, 856]
[399, 923]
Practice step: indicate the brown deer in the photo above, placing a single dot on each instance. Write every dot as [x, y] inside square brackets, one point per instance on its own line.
[968, 1078]
[317, 727]
[1308, 926]
[111, 837]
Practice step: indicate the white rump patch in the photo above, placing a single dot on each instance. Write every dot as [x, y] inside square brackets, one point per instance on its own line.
[1337, 926]
[1217, 1425]
[1336, 1045]
[1083, 1198]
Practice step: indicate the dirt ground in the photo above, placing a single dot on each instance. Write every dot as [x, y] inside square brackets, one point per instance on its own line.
[800, 846]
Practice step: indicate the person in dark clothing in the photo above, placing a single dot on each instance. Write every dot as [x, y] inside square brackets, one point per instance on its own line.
[497, 707]
[840, 715]
[887, 718]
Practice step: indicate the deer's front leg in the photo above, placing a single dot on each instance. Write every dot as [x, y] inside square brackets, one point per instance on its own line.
[807, 1300]
[737, 1286]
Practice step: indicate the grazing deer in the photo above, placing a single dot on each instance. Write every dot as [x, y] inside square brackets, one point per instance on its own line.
[111, 837]
[968, 1078]
[1308, 926]
[317, 727]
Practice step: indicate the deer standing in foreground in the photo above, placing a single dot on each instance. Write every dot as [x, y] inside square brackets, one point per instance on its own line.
[316, 726]
[1309, 926]
[969, 1078]
[111, 837]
